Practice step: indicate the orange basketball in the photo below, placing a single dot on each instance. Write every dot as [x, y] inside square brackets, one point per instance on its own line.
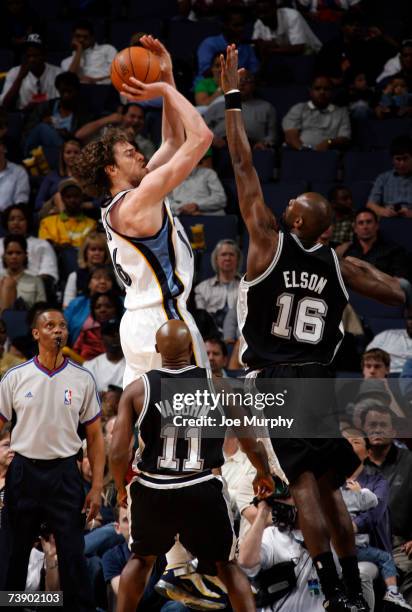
[134, 62]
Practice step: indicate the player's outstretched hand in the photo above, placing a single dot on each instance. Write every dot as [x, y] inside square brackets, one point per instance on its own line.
[155, 46]
[263, 485]
[143, 91]
[229, 69]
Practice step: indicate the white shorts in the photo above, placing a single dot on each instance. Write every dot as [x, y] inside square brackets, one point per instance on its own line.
[138, 337]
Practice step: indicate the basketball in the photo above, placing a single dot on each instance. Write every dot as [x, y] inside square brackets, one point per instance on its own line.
[135, 62]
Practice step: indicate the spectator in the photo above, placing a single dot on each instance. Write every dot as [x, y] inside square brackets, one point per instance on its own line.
[282, 31]
[395, 464]
[341, 200]
[395, 101]
[93, 252]
[54, 122]
[14, 181]
[370, 246]
[100, 281]
[376, 365]
[366, 498]
[317, 124]
[90, 61]
[219, 293]
[104, 307]
[208, 89]
[33, 82]
[50, 184]
[41, 256]
[329, 11]
[234, 22]
[218, 356]
[360, 98]
[110, 401]
[396, 342]
[391, 194]
[130, 119]
[108, 368]
[201, 193]
[16, 283]
[358, 48]
[70, 227]
[259, 117]
[400, 65]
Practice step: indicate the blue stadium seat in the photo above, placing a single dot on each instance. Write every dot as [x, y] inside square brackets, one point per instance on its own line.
[59, 34]
[378, 134]
[49, 9]
[16, 323]
[322, 187]
[309, 165]
[371, 309]
[283, 98]
[185, 36]
[277, 195]
[399, 231]
[291, 68]
[377, 325]
[154, 8]
[121, 31]
[365, 166]
[6, 59]
[360, 192]
[325, 31]
[264, 162]
[216, 227]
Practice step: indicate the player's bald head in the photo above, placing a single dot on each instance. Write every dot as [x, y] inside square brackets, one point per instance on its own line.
[310, 214]
[173, 339]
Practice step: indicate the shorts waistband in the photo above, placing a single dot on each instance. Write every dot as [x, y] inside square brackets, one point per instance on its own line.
[47, 462]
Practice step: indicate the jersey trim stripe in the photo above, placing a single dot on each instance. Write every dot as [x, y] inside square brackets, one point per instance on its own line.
[298, 242]
[154, 482]
[93, 419]
[50, 373]
[179, 371]
[339, 273]
[270, 268]
[146, 400]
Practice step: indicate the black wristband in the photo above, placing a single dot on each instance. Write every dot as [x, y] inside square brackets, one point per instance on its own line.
[233, 101]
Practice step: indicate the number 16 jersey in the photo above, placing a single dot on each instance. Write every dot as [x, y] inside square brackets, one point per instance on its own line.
[292, 313]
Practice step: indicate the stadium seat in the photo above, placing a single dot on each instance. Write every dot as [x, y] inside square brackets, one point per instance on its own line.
[378, 134]
[399, 231]
[216, 227]
[377, 325]
[154, 8]
[324, 30]
[99, 98]
[290, 69]
[277, 195]
[371, 309]
[16, 323]
[6, 59]
[264, 162]
[121, 31]
[59, 34]
[360, 192]
[283, 98]
[309, 165]
[365, 166]
[185, 36]
[48, 9]
[322, 187]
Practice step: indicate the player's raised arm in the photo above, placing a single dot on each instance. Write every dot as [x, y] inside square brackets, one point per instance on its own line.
[367, 280]
[158, 183]
[173, 135]
[130, 404]
[259, 220]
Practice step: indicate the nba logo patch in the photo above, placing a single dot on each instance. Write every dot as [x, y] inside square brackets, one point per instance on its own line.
[68, 397]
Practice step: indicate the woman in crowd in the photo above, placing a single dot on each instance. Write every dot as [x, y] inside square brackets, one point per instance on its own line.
[49, 186]
[42, 259]
[18, 288]
[208, 89]
[93, 252]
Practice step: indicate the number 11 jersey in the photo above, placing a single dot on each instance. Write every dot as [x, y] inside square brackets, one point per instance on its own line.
[292, 313]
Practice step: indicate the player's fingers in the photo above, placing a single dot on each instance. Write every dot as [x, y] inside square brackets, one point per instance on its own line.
[136, 82]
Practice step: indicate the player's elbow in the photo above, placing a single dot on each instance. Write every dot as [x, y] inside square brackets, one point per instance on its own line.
[205, 137]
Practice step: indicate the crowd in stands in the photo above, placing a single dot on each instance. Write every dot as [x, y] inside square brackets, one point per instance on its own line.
[327, 102]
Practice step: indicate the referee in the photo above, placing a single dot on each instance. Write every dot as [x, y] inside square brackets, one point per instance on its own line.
[48, 397]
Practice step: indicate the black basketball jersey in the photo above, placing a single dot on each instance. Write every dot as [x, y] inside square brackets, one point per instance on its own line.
[178, 455]
[292, 313]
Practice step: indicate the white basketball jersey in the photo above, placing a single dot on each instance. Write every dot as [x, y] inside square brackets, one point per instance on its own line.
[156, 270]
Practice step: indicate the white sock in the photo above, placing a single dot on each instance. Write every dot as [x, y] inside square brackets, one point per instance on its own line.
[392, 589]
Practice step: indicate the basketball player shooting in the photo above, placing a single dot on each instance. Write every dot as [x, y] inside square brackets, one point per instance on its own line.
[149, 248]
[175, 490]
[289, 309]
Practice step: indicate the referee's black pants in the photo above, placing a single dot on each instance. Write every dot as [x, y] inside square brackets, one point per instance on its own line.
[40, 491]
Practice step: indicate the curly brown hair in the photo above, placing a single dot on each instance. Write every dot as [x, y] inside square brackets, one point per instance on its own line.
[90, 164]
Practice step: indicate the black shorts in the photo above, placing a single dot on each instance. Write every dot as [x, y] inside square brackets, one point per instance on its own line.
[315, 454]
[199, 513]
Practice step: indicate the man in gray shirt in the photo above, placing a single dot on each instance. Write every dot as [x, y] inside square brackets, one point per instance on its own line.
[317, 124]
[259, 116]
